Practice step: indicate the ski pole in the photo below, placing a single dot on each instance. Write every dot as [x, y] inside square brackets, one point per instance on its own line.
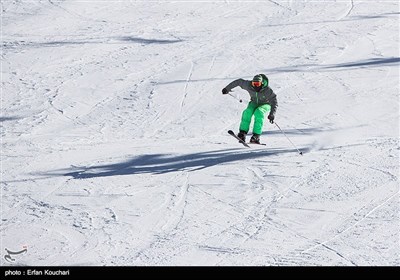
[240, 100]
[301, 153]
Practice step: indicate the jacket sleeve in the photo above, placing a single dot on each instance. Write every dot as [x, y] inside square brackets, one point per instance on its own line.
[239, 82]
[274, 104]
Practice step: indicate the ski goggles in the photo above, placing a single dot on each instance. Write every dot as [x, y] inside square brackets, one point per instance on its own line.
[256, 83]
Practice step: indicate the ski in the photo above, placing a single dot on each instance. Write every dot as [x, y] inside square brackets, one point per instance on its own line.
[262, 144]
[240, 140]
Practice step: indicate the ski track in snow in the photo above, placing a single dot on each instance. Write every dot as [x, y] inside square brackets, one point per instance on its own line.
[114, 144]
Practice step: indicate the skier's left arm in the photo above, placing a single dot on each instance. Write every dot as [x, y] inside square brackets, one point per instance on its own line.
[273, 101]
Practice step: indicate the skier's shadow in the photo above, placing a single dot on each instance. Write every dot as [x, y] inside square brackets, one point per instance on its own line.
[166, 163]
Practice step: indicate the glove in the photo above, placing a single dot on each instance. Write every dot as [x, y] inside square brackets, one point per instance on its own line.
[225, 91]
[271, 118]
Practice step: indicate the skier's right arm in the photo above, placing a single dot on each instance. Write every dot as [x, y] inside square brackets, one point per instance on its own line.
[239, 82]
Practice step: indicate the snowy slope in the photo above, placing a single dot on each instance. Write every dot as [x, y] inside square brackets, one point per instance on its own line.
[114, 144]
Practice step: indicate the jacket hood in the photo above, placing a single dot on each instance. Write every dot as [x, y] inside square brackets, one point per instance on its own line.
[265, 80]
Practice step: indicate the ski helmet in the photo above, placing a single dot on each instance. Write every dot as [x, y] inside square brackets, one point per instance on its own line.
[257, 78]
[257, 81]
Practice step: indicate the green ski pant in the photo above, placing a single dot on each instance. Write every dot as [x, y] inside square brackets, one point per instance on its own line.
[258, 111]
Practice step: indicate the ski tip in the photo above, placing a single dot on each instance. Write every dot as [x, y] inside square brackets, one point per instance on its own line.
[230, 132]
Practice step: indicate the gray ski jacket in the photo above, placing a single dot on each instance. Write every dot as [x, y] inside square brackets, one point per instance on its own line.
[265, 96]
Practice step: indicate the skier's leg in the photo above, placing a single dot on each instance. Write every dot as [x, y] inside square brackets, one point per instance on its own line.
[246, 117]
[259, 114]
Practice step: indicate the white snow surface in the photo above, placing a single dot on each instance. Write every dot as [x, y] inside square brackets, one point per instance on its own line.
[114, 144]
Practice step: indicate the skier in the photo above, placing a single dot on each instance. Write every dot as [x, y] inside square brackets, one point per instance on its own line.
[262, 100]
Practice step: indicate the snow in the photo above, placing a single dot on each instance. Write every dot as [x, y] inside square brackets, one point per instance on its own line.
[114, 144]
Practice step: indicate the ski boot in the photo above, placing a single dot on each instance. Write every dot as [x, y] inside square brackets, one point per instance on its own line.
[255, 139]
[242, 135]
